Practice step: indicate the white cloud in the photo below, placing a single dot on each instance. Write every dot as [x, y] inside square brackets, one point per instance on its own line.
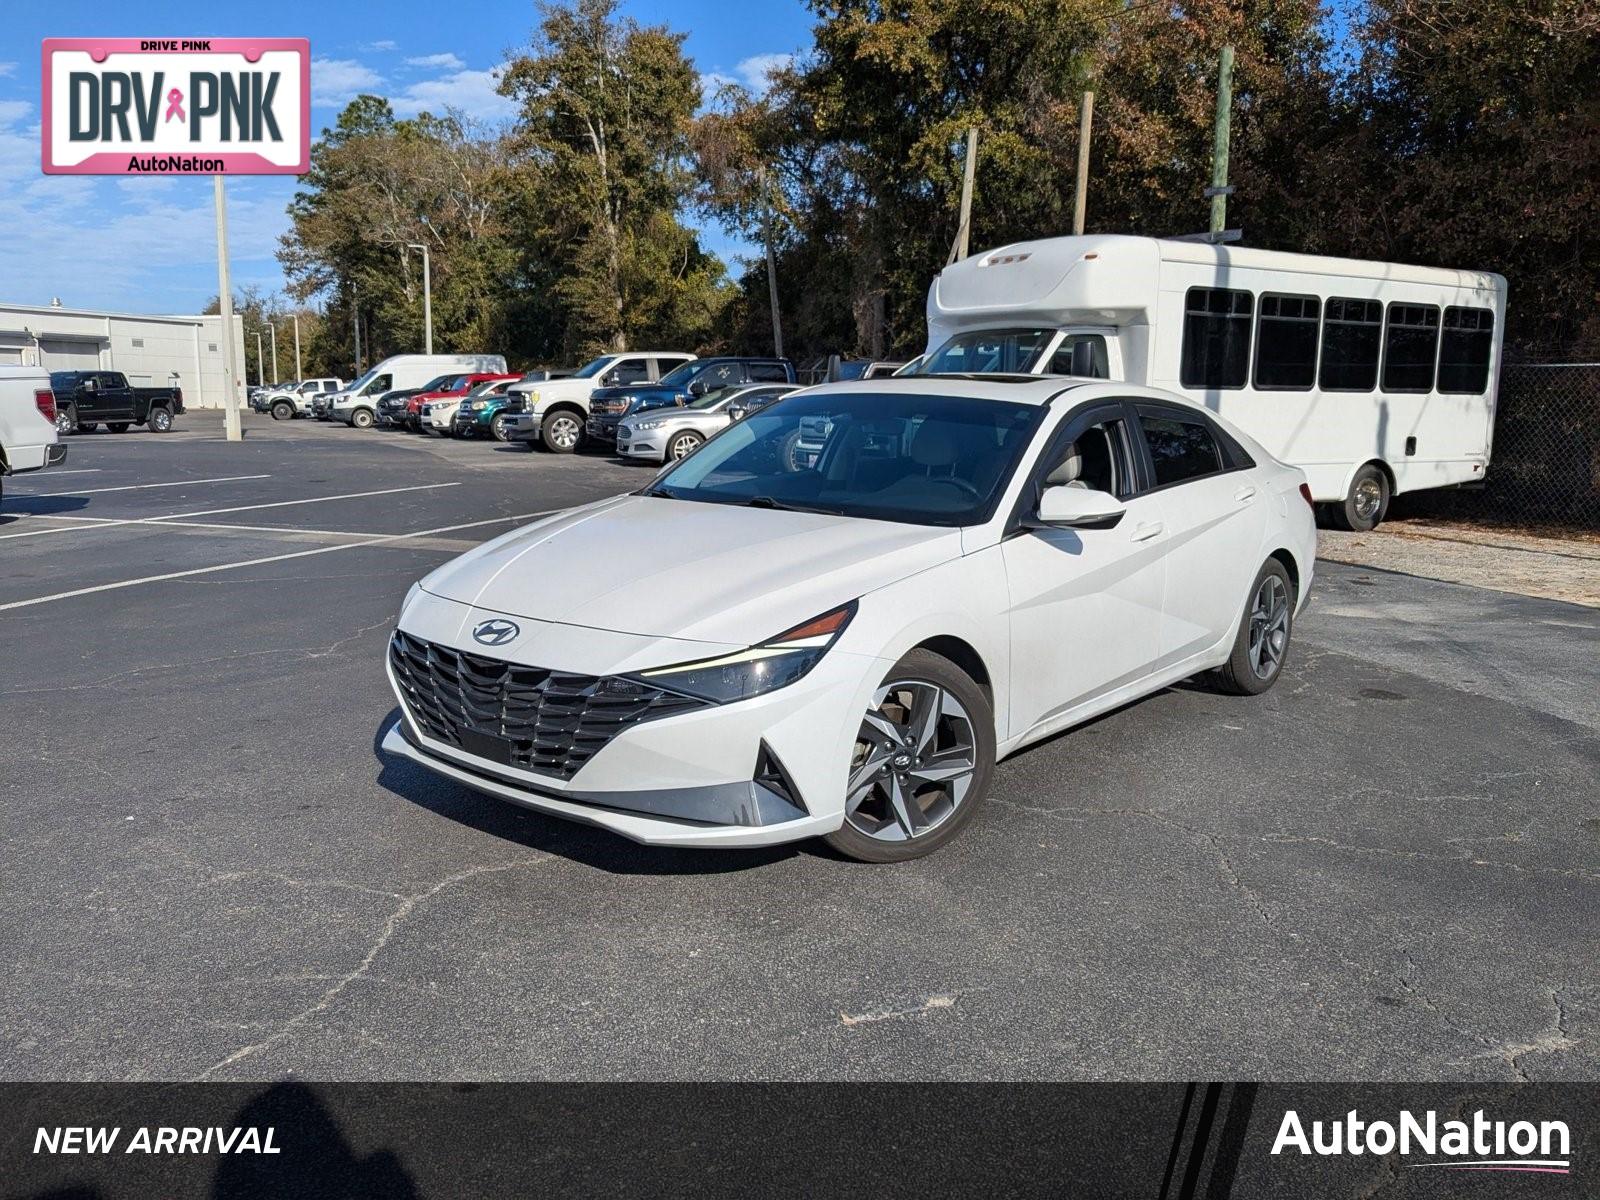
[337, 81]
[381, 47]
[471, 92]
[7, 68]
[442, 62]
[754, 72]
[12, 111]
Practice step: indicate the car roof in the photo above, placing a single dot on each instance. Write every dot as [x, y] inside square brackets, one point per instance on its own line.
[1015, 388]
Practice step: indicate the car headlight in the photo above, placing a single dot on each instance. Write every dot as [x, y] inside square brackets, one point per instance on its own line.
[641, 425]
[773, 664]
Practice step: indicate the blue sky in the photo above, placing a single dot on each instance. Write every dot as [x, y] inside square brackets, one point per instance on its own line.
[148, 245]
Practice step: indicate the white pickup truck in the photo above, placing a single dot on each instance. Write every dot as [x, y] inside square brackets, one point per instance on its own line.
[28, 437]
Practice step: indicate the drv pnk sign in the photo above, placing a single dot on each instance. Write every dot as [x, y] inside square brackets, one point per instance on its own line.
[170, 106]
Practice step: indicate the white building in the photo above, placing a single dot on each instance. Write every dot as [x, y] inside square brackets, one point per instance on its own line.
[152, 351]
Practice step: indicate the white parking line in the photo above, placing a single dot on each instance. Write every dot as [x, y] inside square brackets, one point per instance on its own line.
[74, 471]
[108, 522]
[135, 487]
[257, 562]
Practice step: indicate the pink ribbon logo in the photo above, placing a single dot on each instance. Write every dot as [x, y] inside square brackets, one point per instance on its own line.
[175, 105]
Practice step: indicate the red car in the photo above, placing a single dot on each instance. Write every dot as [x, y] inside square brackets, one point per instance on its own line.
[457, 387]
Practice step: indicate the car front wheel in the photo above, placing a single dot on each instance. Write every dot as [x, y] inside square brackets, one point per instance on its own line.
[561, 432]
[683, 445]
[283, 411]
[920, 765]
[361, 418]
[497, 428]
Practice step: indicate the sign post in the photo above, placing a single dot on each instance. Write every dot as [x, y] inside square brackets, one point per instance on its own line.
[181, 106]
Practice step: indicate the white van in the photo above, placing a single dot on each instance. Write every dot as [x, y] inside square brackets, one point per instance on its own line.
[1373, 378]
[357, 404]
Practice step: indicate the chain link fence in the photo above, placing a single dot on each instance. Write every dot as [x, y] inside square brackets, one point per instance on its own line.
[1545, 468]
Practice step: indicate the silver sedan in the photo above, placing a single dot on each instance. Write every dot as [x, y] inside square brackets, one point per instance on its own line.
[668, 434]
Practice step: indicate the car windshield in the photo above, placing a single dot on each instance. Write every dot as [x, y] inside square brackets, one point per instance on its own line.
[590, 370]
[712, 399]
[679, 376]
[922, 460]
[987, 351]
[487, 386]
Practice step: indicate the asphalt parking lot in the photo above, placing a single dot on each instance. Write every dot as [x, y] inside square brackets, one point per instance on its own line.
[1388, 868]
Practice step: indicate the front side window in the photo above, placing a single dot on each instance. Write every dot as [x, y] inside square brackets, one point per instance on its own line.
[1286, 342]
[988, 351]
[719, 375]
[631, 370]
[1181, 448]
[1216, 338]
[921, 460]
[1464, 350]
[1096, 459]
[1351, 330]
[1410, 347]
[1093, 359]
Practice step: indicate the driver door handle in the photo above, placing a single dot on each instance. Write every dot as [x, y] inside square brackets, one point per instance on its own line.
[1247, 492]
[1146, 531]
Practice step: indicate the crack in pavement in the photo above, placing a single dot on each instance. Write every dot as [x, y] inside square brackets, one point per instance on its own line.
[929, 1006]
[391, 926]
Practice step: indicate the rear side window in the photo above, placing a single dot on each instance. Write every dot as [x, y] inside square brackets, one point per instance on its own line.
[768, 373]
[1216, 338]
[1410, 347]
[1181, 448]
[1351, 330]
[631, 370]
[1286, 342]
[1464, 350]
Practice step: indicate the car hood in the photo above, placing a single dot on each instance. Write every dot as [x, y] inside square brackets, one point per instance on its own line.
[676, 568]
[646, 391]
[570, 386]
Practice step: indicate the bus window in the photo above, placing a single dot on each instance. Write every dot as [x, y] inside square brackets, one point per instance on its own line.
[1286, 342]
[1216, 338]
[1351, 331]
[1410, 347]
[1061, 361]
[1464, 352]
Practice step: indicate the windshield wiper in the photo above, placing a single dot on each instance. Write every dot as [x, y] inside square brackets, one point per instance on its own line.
[654, 491]
[768, 502]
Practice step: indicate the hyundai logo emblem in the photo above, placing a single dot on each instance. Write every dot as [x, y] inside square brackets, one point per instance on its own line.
[495, 632]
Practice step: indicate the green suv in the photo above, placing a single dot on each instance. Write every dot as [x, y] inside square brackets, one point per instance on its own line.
[484, 411]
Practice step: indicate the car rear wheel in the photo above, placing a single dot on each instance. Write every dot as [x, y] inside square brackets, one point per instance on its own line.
[561, 432]
[160, 420]
[118, 427]
[1367, 503]
[1262, 642]
[921, 762]
[497, 428]
[283, 411]
[684, 445]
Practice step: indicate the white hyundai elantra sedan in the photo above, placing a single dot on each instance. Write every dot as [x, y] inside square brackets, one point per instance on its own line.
[762, 646]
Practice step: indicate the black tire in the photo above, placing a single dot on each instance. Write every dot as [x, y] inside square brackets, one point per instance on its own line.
[160, 420]
[1241, 674]
[87, 426]
[118, 427]
[1367, 503]
[681, 445]
[561, 432]
[925, 667]
[283, 410]
[497, 428]
[361, 418]
[66, 420]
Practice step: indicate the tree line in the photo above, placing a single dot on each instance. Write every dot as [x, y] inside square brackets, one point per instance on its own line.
[1422, 131]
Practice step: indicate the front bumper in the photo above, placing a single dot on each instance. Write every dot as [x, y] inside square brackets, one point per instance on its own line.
[650, 446]
[603, 428]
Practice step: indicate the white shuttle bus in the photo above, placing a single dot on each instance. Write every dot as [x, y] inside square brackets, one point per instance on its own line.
[1373, 378]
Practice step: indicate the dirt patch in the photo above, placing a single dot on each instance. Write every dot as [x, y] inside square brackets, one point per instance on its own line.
[1506, 560]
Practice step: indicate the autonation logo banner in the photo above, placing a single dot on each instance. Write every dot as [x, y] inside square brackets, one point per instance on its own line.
[1475, 1144]
[168, 106]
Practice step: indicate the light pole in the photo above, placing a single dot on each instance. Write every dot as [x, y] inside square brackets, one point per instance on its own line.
[272, 331]
[427, 297]
[297, 374]
[261, 363]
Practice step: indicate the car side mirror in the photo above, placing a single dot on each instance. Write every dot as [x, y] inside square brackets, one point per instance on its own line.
[699, 387]
[611, 379]
[91, 385]
[1066, 507]
[1083, 358]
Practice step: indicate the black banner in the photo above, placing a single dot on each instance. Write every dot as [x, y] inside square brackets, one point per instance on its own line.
[1163, 1141]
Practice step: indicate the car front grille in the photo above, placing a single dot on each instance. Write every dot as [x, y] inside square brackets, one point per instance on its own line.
[539, 720]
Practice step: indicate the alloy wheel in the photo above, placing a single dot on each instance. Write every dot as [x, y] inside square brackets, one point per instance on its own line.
[914, 762]
[682, 445]
[1269, 627]
[65, 421]
[564, 433]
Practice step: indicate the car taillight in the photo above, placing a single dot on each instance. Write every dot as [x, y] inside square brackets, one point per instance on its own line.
[45, 399]
[177, 396]
[1305, 491]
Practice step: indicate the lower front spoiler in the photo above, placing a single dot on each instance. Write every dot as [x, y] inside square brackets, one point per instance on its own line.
[717, 815]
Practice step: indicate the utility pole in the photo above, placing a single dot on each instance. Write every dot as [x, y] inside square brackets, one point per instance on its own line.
[1219, 189]
[1080, 202]
[427, 297]
[230, 372]
[297, 374]
[355, 325]
[261, 363]
[772, 265]
[273, 330]
[968, 174]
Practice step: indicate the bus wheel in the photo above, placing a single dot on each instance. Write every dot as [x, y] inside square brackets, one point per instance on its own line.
[1366, 505]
